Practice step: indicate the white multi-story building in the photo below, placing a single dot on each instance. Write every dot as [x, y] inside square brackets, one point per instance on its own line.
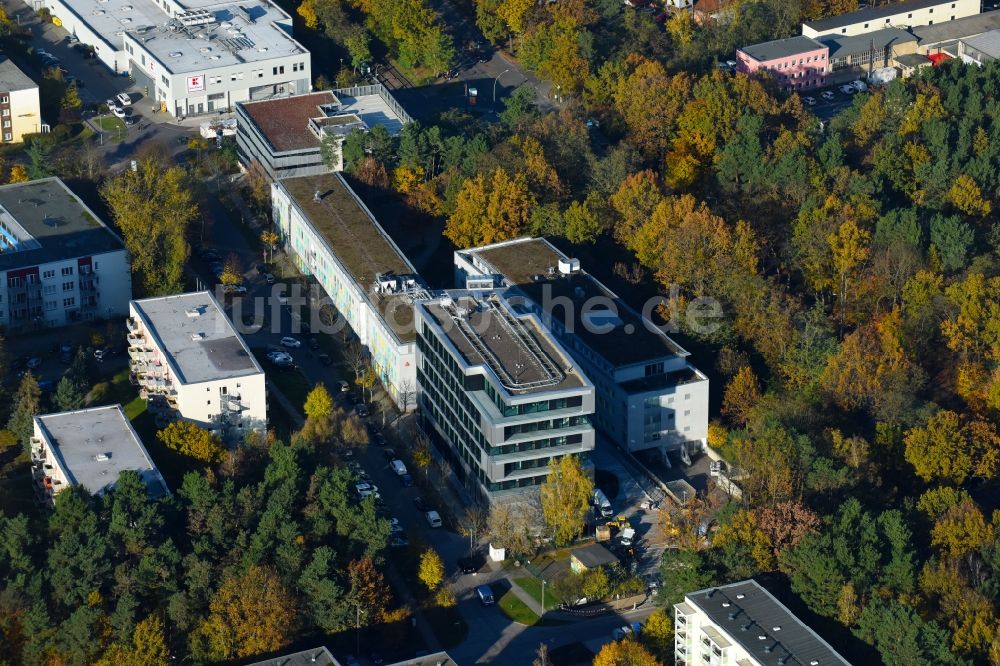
[190, 363]
[649, 397]
[743, 624]
[89, 447]
[332, 236]
[61, 264]
[20, 110]
[893, 15]
[283, 135]
[498, 391]
[194, 57]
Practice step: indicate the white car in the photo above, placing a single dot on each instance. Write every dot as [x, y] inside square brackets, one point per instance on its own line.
[283, 298]
[280, 358]
[827, 95]
[810, 101]
[859, 85]
[124, 99]
[118, 111]
[848, 89]
[290, 342]
[433, 518]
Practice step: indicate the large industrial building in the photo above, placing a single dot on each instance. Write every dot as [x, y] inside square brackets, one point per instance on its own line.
[91, 448]
[332, 236]
[190, 363]
[648, 396]
[195, 57]
[61, 264]
[283, 135]
[499, 392]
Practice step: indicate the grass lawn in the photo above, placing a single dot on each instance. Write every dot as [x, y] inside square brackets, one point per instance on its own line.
[110, 123]
[293, 385]
[516, 609]
[533, 586]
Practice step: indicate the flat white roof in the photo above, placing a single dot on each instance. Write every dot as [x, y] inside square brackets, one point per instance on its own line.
[232, 33]
[93, 446]
[196, 337]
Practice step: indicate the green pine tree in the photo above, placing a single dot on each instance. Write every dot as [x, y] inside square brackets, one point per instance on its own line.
[27, 403]
[68, 395]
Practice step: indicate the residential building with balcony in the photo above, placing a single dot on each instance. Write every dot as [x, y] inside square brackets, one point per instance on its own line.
[332, 237]
[89, 447]
[190, 363]
[284, 135]
[909, 14]
[648, 395]
[742, 624]
[796, 63]
[60, 263]
[501, 395]
[20, 108]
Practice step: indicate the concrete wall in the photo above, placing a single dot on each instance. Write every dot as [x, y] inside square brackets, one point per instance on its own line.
[25, 115]
[202, 403]
[112, 55]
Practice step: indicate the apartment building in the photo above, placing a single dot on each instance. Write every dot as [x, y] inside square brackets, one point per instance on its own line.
[893, 15]
[91, 448]
[742, 624]
[332, 237]
[502, 396]
[61, 263]
[284, 135]
[190, 363]
[194, 57]
[20, 110]
[796, 63]
[648, 396]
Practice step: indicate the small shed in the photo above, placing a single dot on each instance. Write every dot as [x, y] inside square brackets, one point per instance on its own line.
[590, 557]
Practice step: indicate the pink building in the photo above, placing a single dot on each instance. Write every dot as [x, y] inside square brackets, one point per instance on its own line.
[796, 63]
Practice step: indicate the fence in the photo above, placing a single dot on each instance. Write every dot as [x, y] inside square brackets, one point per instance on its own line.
[380, 90]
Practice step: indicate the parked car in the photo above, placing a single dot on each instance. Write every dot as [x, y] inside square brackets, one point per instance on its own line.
[810, 101]
[131, 120]
[627, 537]
[268, 278]
[362, 410]
[398, 467]
[848, 89]
[313, 344]
[124, 99]
[378, 438]
[485, 594]
[344, 386]
[859, 85]
[236, 289]
[325, 359]
[471, 564]
[282, 298]
[33, 362]
[66, 354]
[389, 455]
[406, 480]
[290, 342]
[420, 505]
[433, 518]
[399, 541]
[366, 489]
[827, 95]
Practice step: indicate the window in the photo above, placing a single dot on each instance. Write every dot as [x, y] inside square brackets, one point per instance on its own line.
[215, 80]
[50, 305]
[276, 70]
[209, 402]
[687, 412]
[930, 23]
[6, 112]
[909, 16]
[866, 25]
[69, 302]
[67, 286]
[7, 136]
[654, 369]
[6, 123]
[6, 100]
[931, 10]
[68, 270]
[50, 289]
[687, 396]
[48, 274]
[164, 80]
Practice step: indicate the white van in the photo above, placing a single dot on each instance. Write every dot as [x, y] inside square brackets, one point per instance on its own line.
[602, 503]
[433, 518]
[628, 536]
[398, 467]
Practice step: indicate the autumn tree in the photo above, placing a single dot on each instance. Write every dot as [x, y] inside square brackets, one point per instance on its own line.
[148, 647]
[430, 571]
[658, 633]
[270, 241]
[18, 174]
[625, 652]
[849, 248]
[566, 496]
[153, 206]
[319, 403]
[946, 449]
[189, 439]
[636, 199]
[368, 590]
[742, 395]
[251, 613]
[966, 196]
[508, 529]
[490, 211]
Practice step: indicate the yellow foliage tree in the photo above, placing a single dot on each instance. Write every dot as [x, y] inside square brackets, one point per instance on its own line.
[961, 530]
[966, 196]
[741, 396]
[658, 633]
[407, 178]
[625, 653]
[947, 450]
[18, 174]
[148, 648]
[251, 613]
[431, 569]
[190, 440]
[512, 12]
[319, 403]
[566, 497]
[489, 212]
[307, 10]
[743, 532]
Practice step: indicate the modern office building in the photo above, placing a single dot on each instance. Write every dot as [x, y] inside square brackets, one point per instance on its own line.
[20, 110]
[649, 397]
[503, 397]
[196, 56]
[284, 135]
[190, 363]
[332, 237]
[893, 15]
[796, 63]
[89, 447]
[61, 264]
[744, 625]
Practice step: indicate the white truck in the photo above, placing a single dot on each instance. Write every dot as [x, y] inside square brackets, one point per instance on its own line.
[628, 537]
[398, 467]
[602, 503]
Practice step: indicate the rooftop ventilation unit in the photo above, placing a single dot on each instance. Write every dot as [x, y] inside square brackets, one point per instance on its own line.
[194, 312]
[567, 266]
[196, 17]
[198, 337]
[101, 457]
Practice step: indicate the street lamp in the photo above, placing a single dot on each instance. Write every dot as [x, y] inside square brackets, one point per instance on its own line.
[495, 81]
[543, 596]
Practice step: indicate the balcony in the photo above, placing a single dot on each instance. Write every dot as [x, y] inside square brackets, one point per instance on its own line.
[136, 340]
[133, 326]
